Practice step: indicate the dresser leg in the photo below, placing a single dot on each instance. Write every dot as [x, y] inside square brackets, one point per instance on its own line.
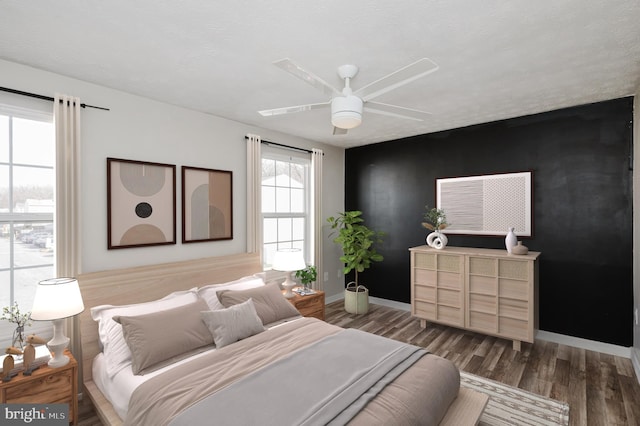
[517, 345]
[423, 323]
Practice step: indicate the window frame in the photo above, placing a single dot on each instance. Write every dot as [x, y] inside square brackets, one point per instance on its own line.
[12, 218]
[304, 159]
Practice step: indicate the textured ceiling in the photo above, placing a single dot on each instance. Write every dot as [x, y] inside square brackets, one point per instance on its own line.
[498, 59]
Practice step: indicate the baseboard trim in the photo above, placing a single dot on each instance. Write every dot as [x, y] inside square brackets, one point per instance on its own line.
[391, 303]
[334, 298]
[635, 360]
[578, 342]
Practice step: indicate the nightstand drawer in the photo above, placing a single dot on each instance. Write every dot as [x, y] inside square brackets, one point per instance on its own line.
[45, 389]
[309, 306]
[309, 311]
[307, 302]
[315, 314]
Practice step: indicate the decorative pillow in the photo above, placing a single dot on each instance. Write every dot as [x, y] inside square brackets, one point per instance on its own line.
[159, 336]
[114, 347]
[208, 293]
[270, 304]
[232, 324]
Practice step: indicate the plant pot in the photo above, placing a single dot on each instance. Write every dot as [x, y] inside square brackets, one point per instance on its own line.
[356, 299]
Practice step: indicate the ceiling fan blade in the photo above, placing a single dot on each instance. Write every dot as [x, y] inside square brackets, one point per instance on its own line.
[396, 111]
[293, 109]
[339, 131]
[397, 79]
[308, 77]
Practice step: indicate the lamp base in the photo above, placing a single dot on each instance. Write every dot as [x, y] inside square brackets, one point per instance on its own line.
[58, 344]
[288, 285]
[58, 361]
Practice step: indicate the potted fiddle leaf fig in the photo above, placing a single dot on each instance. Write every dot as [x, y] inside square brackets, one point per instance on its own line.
[358, 247]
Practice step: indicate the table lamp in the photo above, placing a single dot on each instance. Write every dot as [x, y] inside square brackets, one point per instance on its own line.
[288, 260]
[55, 300]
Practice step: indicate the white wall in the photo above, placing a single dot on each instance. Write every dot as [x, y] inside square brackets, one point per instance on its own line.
[142, 129]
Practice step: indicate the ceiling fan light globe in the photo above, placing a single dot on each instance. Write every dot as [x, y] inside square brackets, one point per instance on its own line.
[346, 112]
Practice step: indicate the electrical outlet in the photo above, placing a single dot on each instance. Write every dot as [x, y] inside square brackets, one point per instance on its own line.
[636, 314]
[326, 276]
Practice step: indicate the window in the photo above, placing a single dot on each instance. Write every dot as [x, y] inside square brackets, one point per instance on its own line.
[27, 179]
[285, 202]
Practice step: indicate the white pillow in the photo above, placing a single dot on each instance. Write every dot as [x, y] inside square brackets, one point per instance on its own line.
[114, 346]
[209, 293]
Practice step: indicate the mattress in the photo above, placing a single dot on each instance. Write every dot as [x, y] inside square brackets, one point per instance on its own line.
[119, 388]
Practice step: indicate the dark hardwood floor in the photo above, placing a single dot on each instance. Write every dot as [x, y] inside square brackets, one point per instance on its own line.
[600, 389]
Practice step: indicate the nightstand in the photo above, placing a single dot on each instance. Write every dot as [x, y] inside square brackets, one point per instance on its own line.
[45, 386]
[311, 305]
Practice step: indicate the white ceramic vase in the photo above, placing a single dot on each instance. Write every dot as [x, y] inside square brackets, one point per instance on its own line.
[510, 240]
[519, 249]
[437, 240]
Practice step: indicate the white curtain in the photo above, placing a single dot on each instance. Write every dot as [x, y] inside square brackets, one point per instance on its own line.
[254, 192]
[318, 219]
[67, 217]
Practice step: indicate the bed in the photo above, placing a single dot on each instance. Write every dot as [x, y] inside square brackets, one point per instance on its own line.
[238, 377]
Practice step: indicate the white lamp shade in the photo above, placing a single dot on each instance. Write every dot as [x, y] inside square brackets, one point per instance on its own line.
[57, 298]
[288, 260]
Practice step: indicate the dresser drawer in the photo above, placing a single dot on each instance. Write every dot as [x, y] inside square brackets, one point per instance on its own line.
[514, 269]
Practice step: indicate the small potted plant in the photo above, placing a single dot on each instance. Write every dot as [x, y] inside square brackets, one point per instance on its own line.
[13, 315]
[436, 221]
[307, 276]
[358, 248]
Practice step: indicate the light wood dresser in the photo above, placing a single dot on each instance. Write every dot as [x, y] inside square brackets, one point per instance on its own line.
[485, 290]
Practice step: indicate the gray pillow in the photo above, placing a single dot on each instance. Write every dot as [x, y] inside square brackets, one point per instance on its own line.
[232, 324]
[270, 304]
[159, 336]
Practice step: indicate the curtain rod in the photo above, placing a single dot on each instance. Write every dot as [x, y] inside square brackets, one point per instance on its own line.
[295, 148]
[46, 98]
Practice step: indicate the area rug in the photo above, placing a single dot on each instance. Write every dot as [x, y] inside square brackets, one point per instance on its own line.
[509, 406]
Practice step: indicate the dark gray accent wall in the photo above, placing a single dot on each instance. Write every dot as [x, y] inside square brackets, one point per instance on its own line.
[582, 185]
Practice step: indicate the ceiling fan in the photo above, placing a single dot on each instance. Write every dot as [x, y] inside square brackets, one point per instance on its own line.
[347, 105]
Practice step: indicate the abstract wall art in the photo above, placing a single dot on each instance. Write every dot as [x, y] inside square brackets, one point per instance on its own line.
[141, 203]
[207, 213]
[487, 204]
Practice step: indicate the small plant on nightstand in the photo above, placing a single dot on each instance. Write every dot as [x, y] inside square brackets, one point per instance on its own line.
[307, 276]
[13, 315]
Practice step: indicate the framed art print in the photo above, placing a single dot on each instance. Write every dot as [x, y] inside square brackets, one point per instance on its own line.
[207, 213]
[141, 203]
[487, 204]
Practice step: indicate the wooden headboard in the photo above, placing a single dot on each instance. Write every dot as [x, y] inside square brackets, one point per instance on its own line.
[146, 283]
